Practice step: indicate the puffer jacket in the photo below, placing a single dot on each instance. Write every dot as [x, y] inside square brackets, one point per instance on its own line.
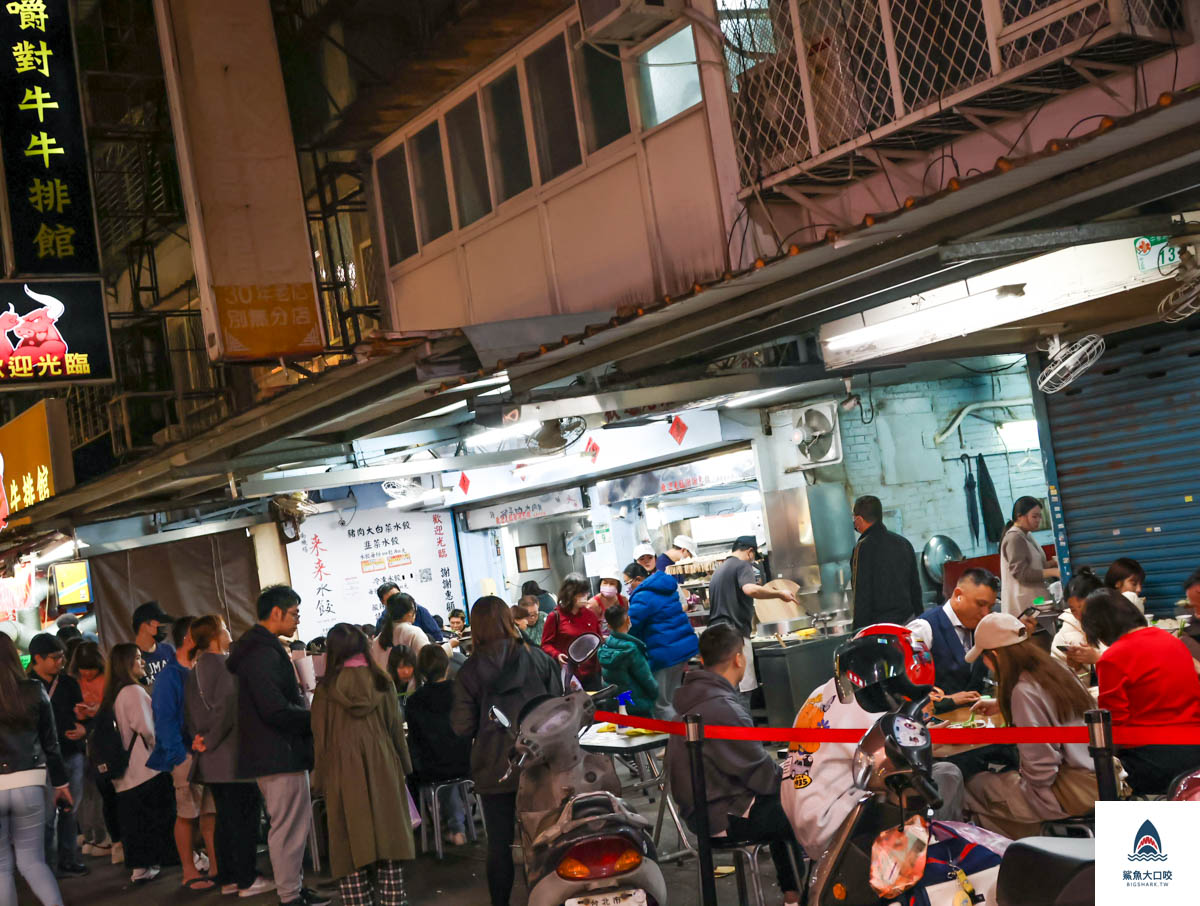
[624, 665]
[656, 617]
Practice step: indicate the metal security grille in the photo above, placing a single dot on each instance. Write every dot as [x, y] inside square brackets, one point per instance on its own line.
[820, 88]
[1124, 437]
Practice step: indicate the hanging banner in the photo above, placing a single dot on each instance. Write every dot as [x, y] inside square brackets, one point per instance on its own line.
[338, 563]
[53, 333]
[248, 228]
[728, 468]
[35, 457]
[53, 229]
[555, 503]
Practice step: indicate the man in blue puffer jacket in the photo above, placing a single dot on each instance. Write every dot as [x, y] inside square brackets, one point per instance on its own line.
[657, 617]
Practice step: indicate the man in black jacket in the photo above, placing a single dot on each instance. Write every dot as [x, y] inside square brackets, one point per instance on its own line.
[275, 745]
[741, 779]
[883, 570]
[47, 663]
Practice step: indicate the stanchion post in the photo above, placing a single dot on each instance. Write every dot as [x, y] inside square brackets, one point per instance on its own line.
[695, 743]
[1100, 746]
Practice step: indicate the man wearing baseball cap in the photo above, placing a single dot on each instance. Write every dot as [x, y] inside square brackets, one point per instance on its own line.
[682, 548]
[732, 591]
[150, 634]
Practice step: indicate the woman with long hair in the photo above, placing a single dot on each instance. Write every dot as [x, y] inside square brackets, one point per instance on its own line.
[1146, 678]
[145, 797]
[504, 671]
[96, 812]
[571, 619]
[28, 752]
[211, 707]
[361, 762]
[1070, 645]
[1024, 568]
[1127, 577]
[399, 628]
[1054, 780]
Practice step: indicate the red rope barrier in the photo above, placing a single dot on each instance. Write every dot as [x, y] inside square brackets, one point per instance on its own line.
[1127, 735]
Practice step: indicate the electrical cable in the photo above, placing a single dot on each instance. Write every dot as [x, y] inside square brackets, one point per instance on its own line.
[862, 412]
[996, 370]
[1094, 116]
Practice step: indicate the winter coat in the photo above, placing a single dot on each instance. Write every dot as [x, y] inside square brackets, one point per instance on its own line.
[437, 753]
[735, 770]
[624, 665]
[506, 674]
[563, 628]
[657, 617]
[211, 705]
[361, 762]
[883, 570]
[274, 729]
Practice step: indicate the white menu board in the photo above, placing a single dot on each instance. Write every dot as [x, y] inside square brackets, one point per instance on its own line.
[340, 560]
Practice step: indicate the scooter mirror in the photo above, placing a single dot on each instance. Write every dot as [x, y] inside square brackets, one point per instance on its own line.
[584, 648]
[498, 716]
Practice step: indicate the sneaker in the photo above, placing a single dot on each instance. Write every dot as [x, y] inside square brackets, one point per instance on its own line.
[260, 885]
[228, 889]
[310, 897]
[118, 853]
[72, 870]
[142, 875]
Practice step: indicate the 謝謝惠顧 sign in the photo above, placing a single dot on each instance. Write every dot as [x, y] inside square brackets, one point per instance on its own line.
[338, 564]
[41, 133]
[53, 332]
[35, 457]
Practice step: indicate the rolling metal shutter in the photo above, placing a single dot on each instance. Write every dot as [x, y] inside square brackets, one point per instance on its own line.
[1126, 442]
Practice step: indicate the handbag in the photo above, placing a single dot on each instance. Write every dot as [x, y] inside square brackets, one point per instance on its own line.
[1076, 790]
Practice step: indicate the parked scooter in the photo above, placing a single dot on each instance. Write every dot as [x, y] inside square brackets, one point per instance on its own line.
[583, 846]
[894, 770]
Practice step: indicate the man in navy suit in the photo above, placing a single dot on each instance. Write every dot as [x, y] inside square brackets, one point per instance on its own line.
[949, 632]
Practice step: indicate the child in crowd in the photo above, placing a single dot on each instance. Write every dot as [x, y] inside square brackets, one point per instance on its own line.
[402, 668]
[624, 663]
[437, 753]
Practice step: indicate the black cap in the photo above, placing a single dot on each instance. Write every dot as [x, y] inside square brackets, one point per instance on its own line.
[745, 543]
[45, 644]
[150, 611]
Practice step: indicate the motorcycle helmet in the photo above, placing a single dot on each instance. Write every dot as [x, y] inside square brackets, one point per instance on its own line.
[883, 667]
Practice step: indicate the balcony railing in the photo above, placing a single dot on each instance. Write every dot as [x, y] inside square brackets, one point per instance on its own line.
[823, 88]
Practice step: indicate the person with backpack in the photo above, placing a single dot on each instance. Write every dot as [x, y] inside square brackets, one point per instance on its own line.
[504, 671]
[210, 707]
[361, 761]
[145, 797]
[28, 752]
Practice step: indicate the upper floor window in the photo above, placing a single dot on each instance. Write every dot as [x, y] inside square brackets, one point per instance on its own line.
[555, 129]
[669, 79]
[472, 197]
[601, 78]
[506, 134]
[395, 197]
[429, 184]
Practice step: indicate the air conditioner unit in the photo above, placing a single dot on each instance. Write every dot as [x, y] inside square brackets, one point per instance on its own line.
[626, 21]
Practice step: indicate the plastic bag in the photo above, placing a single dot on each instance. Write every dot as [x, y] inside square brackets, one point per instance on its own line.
[898, 857]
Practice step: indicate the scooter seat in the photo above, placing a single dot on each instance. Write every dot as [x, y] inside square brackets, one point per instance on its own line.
[1048, 871]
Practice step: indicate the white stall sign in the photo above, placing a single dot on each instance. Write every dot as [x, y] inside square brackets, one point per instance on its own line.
[552, 504]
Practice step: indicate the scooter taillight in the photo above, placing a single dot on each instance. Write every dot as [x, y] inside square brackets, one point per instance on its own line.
[600, 858]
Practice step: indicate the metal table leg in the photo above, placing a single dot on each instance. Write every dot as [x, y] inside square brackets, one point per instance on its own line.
[667, 804]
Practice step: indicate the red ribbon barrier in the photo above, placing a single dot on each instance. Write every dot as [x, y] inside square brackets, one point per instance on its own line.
[1126, 735]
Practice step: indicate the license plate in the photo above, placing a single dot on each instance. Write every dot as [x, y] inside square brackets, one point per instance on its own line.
[613, 898]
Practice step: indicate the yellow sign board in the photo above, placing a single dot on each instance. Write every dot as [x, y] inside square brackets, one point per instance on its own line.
[35, 457]
[72, 582]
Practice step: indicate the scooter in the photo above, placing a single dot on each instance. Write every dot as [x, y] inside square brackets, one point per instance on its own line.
[582, 845]
[893, 768]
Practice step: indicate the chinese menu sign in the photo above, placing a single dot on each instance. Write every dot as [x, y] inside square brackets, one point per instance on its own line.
[41, 132]
[53, 332]
[266, 322]
[554, 503]
[336, 568]
[35, 457]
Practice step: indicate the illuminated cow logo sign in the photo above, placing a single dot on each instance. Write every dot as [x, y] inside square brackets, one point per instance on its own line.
[37, 332]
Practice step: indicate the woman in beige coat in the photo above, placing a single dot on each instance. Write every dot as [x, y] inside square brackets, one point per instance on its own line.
[361, 762]
[1024, 568]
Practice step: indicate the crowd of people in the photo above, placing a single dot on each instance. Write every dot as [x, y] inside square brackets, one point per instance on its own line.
[172, 748]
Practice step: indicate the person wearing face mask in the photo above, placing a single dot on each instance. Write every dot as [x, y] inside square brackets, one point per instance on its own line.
[1127, 577]
[150, 635]
[610, 594]
[1024, 568]
[571, 619]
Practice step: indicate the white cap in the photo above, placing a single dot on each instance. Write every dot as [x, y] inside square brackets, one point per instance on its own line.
[643, 550]
[684, 543]
[996, 630]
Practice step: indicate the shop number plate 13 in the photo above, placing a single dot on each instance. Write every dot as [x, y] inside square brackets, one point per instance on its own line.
[615, 898]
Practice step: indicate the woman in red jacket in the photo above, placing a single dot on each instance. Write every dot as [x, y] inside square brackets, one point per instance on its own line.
[569, 620]
[1146, 679]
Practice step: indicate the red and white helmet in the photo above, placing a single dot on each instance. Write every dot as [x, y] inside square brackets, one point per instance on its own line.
[883, 664]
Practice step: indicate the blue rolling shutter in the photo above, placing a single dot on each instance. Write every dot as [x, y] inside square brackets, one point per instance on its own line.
[1126, 440]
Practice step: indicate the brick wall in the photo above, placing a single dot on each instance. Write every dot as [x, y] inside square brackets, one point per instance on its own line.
[939, 506]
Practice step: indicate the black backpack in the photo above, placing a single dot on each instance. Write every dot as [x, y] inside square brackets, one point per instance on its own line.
[105, 750]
